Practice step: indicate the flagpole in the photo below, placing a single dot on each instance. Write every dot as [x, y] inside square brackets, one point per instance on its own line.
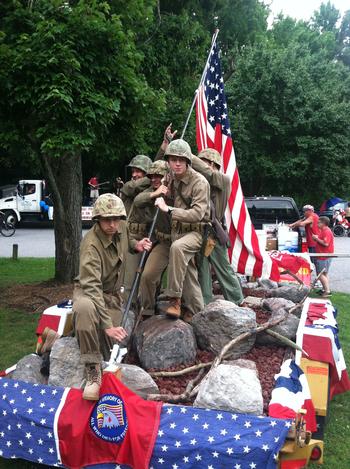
[215, 35]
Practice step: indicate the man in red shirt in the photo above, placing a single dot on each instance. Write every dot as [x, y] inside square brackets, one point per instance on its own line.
[310, 222]
[324, 244]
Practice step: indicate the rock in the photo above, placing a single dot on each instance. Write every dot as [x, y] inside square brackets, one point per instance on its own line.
[220, 322]
[138, 380]
[28, 369]
[290, 293]
[287, 328]
[267, 283]
[232, 387]
[66, 369]
[274, 304]
[251, 285]
[162, 343]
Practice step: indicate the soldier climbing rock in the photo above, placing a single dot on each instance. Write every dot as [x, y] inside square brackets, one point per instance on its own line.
[188, 204]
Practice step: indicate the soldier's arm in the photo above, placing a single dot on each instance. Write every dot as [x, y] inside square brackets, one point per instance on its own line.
[215, 178]
[144, 199]
[91, 283]
[199, 204]
[132, 188]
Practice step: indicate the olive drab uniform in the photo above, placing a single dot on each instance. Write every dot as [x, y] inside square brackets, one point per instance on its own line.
[190, 198]
[158, 258]
[97, 299]
[220, 188]
[136, 223]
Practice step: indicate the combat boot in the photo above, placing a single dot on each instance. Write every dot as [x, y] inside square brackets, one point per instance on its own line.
[93, 382]
[48, 337]
[173, 309]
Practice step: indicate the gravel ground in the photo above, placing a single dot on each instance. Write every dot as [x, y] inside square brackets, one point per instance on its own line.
[39, 242]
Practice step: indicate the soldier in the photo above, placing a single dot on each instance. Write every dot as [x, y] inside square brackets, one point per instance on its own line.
[137, 227]
[208, 163]
[158, 258]
[139, 166]
[97, 300]
[189, 194]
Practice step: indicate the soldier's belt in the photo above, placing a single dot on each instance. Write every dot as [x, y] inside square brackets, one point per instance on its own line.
[181, 227]
[162, 236]
[137, 228]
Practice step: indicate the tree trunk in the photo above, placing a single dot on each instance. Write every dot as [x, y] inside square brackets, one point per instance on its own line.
[65, 179]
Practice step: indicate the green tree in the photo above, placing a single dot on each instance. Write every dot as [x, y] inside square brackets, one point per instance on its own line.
[71, 73]
[290, 101]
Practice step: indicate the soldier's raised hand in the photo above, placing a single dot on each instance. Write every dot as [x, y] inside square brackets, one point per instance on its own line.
[160, 202]
[168, 134]
[144, 244]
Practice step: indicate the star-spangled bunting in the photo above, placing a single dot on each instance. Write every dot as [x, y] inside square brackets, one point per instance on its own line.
[187, 437]
[213, 131]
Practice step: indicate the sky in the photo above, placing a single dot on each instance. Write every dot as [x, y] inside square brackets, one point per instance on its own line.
[302, 9]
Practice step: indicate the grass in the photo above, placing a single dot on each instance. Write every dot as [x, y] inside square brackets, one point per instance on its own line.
[20, 340]
[25, 270]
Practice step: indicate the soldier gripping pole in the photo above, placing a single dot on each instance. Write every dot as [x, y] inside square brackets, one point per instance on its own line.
[215, 35]
[117, 348]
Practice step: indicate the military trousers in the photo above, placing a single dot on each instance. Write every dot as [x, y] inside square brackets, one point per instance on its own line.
[151, 277]
[94, 343]
[182, 270]
[228, 281]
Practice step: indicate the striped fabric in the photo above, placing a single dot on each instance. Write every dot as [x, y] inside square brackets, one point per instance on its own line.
[213, 130]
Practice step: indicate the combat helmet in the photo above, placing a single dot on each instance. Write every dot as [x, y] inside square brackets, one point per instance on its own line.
[158, 167]
[108, 205]
[178, 147]
[211, 155]
[142, 162]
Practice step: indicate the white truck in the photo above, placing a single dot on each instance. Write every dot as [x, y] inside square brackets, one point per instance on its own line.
[29, 202]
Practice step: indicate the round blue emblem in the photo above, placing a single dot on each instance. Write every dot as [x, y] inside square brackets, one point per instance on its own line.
[108, 419]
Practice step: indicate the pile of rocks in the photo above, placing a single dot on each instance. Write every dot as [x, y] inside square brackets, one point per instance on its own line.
[238, 385]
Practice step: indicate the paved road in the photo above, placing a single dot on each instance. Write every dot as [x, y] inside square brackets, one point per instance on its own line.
[40, 242]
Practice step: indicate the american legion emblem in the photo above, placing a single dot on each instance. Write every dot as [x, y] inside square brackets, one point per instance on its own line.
[108, 419]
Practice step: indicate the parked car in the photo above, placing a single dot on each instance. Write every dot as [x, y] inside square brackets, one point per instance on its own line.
[273, 210]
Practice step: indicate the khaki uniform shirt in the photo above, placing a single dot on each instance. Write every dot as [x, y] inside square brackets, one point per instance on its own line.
[145, 204]
[131, 189]
[101, 270]
[195, 191]
[220, 185]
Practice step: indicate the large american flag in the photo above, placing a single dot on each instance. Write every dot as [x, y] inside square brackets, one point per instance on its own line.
[186, 437]
[213, 130]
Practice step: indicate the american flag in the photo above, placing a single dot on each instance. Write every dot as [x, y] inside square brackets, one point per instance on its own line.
[213, 130]
[187, 437]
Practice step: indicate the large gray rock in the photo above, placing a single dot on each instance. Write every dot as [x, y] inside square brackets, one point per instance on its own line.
[222, 321]
[231, 386]
[274, 304]
[66, 368]
[267, 283]
[162, 342]
[138, 380]
[288, 328]
[290, 293]
[28, 369]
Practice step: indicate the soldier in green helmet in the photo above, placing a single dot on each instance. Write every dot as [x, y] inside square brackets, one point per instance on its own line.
[136, 223]
[188, 203]
[158, 259]
[208, 163]
[97, 300]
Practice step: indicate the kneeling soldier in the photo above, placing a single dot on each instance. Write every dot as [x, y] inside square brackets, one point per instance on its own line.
[189, 194]
[96, 299]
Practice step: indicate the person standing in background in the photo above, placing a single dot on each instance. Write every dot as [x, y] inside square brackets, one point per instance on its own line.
[324, 244]
[310, 222]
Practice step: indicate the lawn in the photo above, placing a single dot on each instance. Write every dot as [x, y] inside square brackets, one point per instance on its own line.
[20, 340]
